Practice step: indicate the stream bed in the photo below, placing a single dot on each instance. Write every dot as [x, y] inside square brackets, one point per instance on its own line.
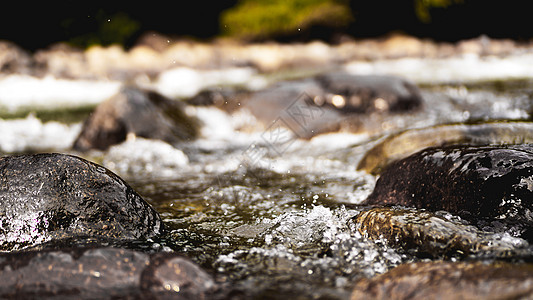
[268, 214]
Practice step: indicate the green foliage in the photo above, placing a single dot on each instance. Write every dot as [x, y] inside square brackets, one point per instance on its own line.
[110, 29]
[422, 7]
[269, 18]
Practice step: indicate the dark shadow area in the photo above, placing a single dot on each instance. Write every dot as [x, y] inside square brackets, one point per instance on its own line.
[36, 25]
[472, 18]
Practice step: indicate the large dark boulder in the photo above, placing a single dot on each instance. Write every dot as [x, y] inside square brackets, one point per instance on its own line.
[486, 182]
[102, 273]
[133, 111]
[49, 197]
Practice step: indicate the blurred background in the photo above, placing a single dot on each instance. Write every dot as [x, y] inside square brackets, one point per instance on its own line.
[38, 24]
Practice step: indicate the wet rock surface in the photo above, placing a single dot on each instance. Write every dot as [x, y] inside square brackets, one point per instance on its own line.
[290, 105]
[477, 183]
[102, 273]
[430, 235]
[52, 197]
[449, 280]
[400, 145]
[175, 277]
[133, 111]
[370, 93]
[332, 102]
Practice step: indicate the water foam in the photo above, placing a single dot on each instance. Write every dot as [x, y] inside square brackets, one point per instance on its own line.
[22, 91]
[31, 134]
[469, 67]
[139, 156]
[187, 82]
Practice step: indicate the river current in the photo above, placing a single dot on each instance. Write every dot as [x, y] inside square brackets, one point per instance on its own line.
[267, 213]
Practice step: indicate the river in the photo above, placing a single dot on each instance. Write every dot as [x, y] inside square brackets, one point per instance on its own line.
[267, 219]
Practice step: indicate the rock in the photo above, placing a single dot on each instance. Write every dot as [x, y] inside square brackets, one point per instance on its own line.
[397, 45]
[486, 182]
[403, 144]
[14, 59]
[427, 234]
[51, 197]
[228, 100]
[332, 102]
[290, 105]
[102, 273]
[62, 61]
[132, 111]
[449, 280]
[174, 277]
[155, 40]
[369, 93]
[484, 46]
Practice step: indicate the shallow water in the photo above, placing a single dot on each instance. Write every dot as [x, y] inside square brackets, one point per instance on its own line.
[281, 223]
[267, 219]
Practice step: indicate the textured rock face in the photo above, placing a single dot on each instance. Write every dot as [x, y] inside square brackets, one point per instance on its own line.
[101, 273]
[473, 182]
[448, 280]
[47, 197]
[427, 234]
[143, 113]
[401, 145]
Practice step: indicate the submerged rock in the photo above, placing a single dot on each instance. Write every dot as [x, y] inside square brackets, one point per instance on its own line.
[428, 234]
[449, 280]
[102, 273]
[132, 111]
[401, 145]
[48, 197]
[489, 182]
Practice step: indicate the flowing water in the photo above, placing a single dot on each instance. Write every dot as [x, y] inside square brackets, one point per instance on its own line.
[267, 219]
